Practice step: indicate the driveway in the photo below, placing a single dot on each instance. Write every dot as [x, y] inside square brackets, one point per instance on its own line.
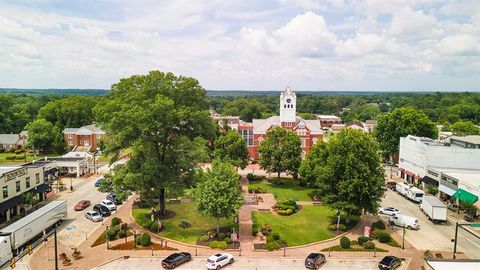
[248, 264]
[434, 237]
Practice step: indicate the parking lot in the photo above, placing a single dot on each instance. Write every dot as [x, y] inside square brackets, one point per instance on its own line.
[247, 264]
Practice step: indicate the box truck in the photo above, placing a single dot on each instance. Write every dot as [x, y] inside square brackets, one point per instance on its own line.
[434, 209]
[415, 194]
[21, 232]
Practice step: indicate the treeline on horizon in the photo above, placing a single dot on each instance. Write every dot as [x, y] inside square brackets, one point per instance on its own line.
[73, 108]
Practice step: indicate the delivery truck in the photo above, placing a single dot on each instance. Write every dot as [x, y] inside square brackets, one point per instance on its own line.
[23, 231]
[435, 210]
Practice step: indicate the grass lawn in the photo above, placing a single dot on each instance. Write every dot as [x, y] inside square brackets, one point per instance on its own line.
[19, 158]
[184, 211]
[307, 226]
[289, 190]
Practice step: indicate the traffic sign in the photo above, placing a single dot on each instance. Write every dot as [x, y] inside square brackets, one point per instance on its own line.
[475, 225]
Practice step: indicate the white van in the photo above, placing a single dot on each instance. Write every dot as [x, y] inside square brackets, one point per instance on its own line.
[404, 221]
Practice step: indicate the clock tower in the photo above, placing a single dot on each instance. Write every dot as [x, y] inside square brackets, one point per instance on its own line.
[288, 104]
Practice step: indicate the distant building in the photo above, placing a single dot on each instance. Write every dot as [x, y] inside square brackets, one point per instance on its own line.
[326, 121]
[309, 131]
[15, 141]
[86, 136]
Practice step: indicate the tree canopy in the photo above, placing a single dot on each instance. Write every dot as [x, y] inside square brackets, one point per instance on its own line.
[400, 123]
[280, 151]
[464, 128]
[347, 170]
[217, 193]
[164, 119]
[43, 135]
[71, 111]
[231, 147]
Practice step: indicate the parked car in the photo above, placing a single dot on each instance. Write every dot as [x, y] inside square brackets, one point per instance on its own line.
[176, 259]
[469, 218]
[98, 182]
[314, 260]
[391, 185]
[113, 197]
[219, 260]
[82, 205]
[102, 210]
[389, 263]
[389, 211]
[404, 221]
[93, 216]
[109, 204]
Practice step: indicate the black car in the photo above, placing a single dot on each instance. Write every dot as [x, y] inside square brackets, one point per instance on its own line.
[102, 210]
[176, 259]
[469, 218]
[314, 260]
[113, 198]
[389, 262]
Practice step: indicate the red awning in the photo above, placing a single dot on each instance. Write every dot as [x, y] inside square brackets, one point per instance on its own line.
[417, 176]
[401, 169]
[410, 173]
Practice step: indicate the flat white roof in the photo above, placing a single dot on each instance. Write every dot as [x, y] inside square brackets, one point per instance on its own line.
[7, 169]
[459, 264]
[469, 178]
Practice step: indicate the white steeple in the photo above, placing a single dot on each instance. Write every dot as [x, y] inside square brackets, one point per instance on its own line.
[288, 105]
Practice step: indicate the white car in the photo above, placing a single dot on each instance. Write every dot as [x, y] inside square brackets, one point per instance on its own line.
[219, 260]
[93, 216]
[109, 204]
[389, 211]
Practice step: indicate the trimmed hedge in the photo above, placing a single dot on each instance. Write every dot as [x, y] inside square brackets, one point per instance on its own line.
[218, 244]
[145, 240]
[333, 227]
[382, 236]
[273, 245]
[221, 235]
[115, 221]
[378, 225]
[369, 245]
[204, 238]
[362, 239]
[345, 242]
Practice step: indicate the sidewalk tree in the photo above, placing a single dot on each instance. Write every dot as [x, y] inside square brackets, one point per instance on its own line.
[231, 147]
[217, 192]
[348, 172]
[280, 151]
[400, 123]
[164, 119]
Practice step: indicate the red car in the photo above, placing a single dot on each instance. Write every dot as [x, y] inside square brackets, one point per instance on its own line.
[82, 205]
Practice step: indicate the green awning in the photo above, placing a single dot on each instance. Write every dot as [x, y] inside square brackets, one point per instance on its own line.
[465, 196]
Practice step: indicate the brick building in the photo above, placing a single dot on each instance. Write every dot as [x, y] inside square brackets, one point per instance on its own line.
[308, 130]
[86, 136]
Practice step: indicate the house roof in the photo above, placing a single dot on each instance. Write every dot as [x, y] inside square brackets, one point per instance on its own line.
[328, 117]
[474, 139]
[85, 130]
[9, 138]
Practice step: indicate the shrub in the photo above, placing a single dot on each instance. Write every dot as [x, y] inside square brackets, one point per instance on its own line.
[345, 242]
[222, 245]
[110, 234]
[213, 244]
[228, 234]
[204, 238]
[342, 227]
[281, 242]
[362, 239]
[269, 238]
[145, 240]
[378, 225]
[154, 226]
[255, 188]
[369, 245]
[19, 151]
[137, 239]
[276, 181]
[184, 224]
[227, 240]
[2, 150]
[382, 236]
[121, 234]
[115, 221]
[272, 245]
[10, 157]
[221, 235]
[254, 229]
[471, 210]
[276, 236]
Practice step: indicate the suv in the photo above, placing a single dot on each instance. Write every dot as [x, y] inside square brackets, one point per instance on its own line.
[102, 210]
[176, 259]
[113, 197]
[389, 263]
[219, 260]
[314, 260]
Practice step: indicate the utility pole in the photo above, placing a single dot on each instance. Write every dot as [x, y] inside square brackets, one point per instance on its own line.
[56, 250]
[455, 242]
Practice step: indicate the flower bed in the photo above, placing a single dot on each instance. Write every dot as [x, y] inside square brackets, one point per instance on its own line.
[130, 245]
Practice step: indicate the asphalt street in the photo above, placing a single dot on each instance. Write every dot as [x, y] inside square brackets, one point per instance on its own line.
[248, 264]
[430, 236]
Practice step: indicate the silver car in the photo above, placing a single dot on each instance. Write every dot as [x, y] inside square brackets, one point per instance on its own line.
[109, 204]
[389, 211]
[93, 216]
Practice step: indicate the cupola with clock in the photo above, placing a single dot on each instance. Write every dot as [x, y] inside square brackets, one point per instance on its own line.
[288, 103]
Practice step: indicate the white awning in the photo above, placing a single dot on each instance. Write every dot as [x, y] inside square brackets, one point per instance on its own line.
[446, 190]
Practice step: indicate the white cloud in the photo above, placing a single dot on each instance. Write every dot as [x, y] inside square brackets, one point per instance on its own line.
[459, 45]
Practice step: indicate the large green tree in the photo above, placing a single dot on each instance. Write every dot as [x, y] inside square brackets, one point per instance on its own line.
[164, 119]
[400, 123]
[217, 193]
[71, 111]
[348, 171]
[232, 147]
[280, 151]
[43, 135]
[246, 109]
[463, 128]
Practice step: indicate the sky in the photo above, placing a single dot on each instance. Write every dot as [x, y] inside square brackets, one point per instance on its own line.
[368, 45]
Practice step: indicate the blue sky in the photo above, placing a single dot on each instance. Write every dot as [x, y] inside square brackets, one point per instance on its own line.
[385, 45]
